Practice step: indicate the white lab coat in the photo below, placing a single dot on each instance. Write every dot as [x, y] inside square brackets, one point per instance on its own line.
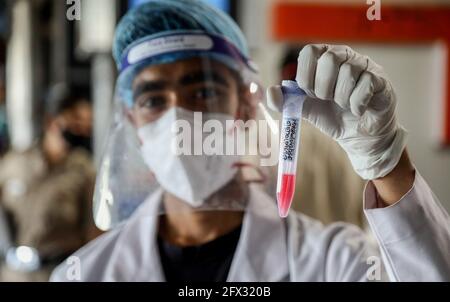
[413, 236]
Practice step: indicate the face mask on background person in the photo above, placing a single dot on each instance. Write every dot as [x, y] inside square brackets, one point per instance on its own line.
[3, 128]
[78, 141]
[192, 178]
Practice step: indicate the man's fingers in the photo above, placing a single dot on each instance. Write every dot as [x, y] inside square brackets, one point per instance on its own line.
[367, 85]
[338, 73]
[327, 71]
[307, 65]
[349, 74]
[275, 98]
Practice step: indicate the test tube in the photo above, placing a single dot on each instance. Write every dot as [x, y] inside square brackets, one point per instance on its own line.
[293, 99]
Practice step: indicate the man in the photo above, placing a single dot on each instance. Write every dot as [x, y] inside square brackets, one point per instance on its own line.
[179, 58]
[47, 192]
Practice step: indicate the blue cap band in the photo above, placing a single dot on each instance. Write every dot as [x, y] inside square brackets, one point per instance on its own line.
[291, 87]
[182, 41]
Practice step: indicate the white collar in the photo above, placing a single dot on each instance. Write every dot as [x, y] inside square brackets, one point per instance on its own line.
[261, 254]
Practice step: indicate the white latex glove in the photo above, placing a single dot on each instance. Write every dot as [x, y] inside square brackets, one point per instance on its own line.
[350, 100]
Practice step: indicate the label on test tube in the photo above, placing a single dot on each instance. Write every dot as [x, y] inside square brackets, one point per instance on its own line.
[290, 129]
[294, 98]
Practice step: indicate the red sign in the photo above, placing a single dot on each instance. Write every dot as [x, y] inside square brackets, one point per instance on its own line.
[399, 24]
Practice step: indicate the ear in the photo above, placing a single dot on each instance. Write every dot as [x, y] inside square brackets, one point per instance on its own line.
[247, 104]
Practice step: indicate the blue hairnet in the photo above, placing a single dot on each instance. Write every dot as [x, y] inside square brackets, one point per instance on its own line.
[158, 17]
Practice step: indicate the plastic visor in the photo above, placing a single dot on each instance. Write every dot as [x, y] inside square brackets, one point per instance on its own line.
[184, 106]
[178, 45]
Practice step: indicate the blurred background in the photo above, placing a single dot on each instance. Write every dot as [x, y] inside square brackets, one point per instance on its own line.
[57, 81]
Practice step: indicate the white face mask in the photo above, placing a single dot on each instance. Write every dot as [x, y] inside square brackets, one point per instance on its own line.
[192, 178]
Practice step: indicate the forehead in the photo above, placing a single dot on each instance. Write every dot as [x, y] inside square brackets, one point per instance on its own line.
[172, 72]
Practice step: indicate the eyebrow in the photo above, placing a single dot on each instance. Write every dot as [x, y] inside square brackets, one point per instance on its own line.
[192, 78]
[148, 86]
[200, 76]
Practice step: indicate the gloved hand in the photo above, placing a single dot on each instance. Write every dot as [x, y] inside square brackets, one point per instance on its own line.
[350, 100]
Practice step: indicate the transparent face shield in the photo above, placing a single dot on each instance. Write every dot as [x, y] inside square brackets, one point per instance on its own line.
[185, 137]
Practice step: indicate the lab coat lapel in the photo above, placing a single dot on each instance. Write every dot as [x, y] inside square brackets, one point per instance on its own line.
[261, 254]
[138, 256]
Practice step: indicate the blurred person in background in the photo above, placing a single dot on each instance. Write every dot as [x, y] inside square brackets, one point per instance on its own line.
[4, 141]
[327, 187]
[3, 125]
[47, 192]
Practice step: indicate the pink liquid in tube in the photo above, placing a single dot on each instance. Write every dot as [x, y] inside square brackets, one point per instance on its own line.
[289, 144]
[286, 194]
